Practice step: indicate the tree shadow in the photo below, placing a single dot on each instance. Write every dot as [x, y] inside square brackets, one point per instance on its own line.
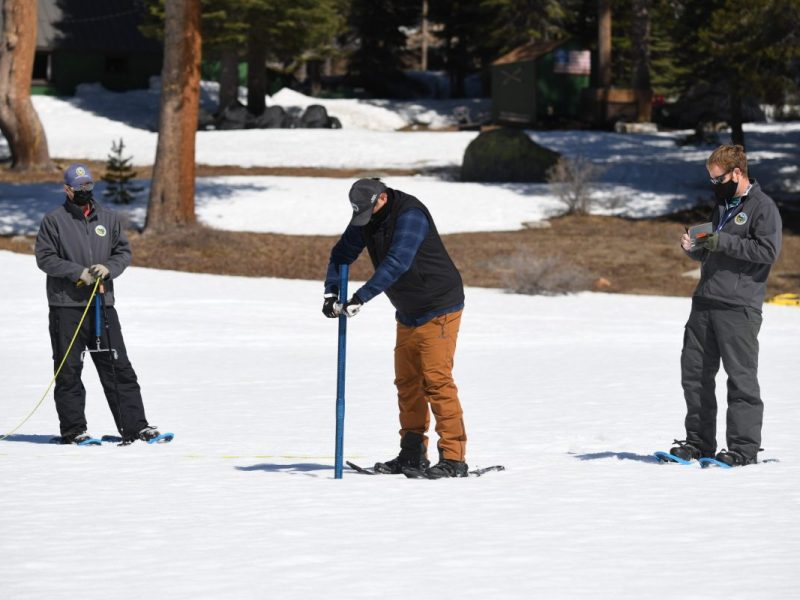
[31, 438]
[22, 206]
[211, 189]
[645, 458]
[287, 468]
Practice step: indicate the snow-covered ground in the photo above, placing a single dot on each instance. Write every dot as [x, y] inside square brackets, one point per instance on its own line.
[570, 393]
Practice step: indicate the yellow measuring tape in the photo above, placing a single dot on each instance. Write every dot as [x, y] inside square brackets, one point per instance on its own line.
[785, 299]
[63, 360]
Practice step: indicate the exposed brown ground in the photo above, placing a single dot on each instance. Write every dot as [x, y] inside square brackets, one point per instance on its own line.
[636, 257]
[145, 172]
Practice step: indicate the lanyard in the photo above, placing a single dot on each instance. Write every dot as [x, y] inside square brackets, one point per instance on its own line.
[726, 217]
[729, 212]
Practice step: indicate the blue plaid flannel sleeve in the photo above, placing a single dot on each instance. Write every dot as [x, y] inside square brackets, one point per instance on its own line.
[344, 252]
[409, 232]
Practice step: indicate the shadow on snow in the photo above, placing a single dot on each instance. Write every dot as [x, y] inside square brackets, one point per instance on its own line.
[287, 468]
[645, 458]
[30, 438]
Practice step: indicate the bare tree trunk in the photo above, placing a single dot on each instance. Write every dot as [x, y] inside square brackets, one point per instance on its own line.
[228, 77]
[451, 68]
[256, 73]
[737, 131]
[604, 42]
[423, 65]
[19, 122]
[640, 38]
[172, 190]
[314, 70]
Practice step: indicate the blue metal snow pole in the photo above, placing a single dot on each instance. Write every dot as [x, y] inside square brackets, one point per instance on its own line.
[343, 276]
[97, 330]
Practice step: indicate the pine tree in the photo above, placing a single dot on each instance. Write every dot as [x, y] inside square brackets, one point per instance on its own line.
[744, 51]
[259, 30]
[378, 28]
[118, 176]
[512, 23]
[462, 25]
[476, 32]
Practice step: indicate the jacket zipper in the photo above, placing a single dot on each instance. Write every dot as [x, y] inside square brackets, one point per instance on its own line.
[88, 239]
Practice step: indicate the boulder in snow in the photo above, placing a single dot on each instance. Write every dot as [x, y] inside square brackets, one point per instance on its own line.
[234, 116]
[315, 117]
[273, 117]
[506, 155]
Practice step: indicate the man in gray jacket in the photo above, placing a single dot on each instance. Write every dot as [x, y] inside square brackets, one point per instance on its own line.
[736, 257]
[78, 243]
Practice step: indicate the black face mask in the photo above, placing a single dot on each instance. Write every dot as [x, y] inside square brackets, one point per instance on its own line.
[725, 191]
[81, 198]
[380, 216]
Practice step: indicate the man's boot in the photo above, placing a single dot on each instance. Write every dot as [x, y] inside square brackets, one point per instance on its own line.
[412, 454]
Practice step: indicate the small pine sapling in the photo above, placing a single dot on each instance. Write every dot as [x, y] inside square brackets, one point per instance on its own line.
[118, 176]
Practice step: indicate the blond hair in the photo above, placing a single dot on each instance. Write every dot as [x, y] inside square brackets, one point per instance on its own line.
[729, 157]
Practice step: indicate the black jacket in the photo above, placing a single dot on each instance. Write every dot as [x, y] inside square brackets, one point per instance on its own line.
[433, 282]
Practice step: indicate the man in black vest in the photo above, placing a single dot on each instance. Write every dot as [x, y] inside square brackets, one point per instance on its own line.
[414, 270]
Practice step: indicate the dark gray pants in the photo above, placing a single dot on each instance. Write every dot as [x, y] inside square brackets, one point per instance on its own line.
[117, 376]
[730, 333]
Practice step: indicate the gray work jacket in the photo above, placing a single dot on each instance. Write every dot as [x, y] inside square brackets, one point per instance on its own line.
[68, 242]
[749, 244]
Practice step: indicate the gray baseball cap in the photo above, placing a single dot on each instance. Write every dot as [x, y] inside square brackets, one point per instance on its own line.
[363, 196]
[77, 175]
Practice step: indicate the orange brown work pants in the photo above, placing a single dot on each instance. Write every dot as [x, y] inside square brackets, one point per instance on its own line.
[423, 366]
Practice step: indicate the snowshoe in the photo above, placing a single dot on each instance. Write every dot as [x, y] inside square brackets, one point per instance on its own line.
[151, 435]
[79, 439]
[447, 468]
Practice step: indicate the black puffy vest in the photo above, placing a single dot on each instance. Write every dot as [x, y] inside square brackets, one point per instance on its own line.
[432, 282]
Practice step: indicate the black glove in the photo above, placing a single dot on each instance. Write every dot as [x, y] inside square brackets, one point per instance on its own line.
[352, 306]
[331, 307]
[708, 242]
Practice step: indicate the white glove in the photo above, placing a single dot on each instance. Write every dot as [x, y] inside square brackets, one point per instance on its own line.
[86, 278]
[100, 271]
[352, 306]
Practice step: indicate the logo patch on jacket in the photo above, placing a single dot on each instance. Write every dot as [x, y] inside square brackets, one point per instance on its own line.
[102, 231]
[740, 219]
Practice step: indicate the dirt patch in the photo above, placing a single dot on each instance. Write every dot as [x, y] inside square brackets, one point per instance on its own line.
[621, 255]
[7, 175]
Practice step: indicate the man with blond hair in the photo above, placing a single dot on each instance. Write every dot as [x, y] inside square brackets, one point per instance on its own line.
[736, 256]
